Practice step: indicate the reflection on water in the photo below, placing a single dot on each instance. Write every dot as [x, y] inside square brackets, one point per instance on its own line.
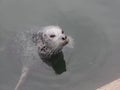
[83, 62]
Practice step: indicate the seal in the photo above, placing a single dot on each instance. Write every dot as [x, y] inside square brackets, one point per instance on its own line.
[50, 42]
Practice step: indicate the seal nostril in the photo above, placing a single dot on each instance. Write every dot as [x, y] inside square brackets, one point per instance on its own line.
[63, 38]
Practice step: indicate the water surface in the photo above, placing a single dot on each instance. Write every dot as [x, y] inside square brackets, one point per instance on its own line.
[93, 24]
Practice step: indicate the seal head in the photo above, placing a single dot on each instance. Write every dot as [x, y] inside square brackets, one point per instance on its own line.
[50, 40]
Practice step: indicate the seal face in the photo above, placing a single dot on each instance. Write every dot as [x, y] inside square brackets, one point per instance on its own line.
[55, 37]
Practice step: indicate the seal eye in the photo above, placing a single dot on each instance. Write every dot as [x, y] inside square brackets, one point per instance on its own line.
[62, 31]
[52, 36]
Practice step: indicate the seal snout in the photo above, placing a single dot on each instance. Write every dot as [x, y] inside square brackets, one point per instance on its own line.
[65, 41]
[64, 37]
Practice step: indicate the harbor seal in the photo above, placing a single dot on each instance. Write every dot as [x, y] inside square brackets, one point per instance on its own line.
[50, 42]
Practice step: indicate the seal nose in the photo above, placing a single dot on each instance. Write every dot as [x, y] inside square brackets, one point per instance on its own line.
[64, 38]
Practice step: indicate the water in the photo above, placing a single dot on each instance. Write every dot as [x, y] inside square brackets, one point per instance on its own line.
[93, 24]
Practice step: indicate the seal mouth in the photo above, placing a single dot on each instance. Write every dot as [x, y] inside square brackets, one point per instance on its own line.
[65, 42]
